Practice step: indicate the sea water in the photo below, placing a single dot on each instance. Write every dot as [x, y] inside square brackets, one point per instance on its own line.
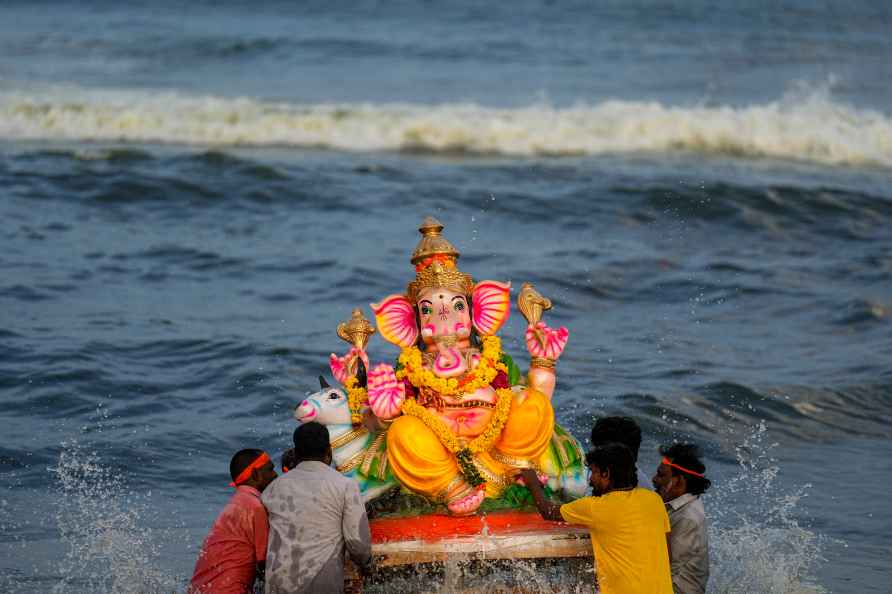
[194, 195]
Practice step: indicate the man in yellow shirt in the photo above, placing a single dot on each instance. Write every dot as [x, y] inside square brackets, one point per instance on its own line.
[628, 524]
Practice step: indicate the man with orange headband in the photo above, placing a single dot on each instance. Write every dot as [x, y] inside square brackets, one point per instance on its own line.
[234, 553]
[680, 480]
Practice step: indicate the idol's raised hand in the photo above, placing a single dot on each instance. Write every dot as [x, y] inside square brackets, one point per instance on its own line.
[545, 342]
[386, 393]
[342, 368]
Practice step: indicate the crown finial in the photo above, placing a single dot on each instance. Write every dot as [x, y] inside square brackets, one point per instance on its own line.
[432, 242]
[430, 226]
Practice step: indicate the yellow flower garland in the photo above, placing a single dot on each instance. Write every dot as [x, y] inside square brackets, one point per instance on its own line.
[419, 376]
[481, 443]
[357, 398]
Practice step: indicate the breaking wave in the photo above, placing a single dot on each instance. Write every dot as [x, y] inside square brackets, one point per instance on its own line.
[807, 127]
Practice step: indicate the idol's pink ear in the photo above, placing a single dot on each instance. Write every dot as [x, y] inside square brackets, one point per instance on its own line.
[395, 318]
[491, 302]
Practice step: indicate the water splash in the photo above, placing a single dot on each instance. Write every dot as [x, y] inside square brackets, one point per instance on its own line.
[102, 524]
[482, 576]
[756, 542]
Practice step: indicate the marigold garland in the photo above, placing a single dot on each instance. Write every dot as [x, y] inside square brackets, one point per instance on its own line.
[412, 367]
[357, 399]
[482, 443]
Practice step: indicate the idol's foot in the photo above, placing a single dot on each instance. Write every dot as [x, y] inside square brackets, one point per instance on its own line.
[468, 504]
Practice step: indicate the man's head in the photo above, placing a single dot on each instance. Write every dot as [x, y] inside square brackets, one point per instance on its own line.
[612, 467]
[680, 472]
[311, 442]
[252, 468]
[622, 430]
[288, 461]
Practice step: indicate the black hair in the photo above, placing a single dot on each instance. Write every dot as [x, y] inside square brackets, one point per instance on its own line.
[622, 430]
[687, 455]
[241, 460]
[311, 441]
[617, 458]
[288, 460]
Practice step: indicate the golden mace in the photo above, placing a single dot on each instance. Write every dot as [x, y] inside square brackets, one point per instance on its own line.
[356, 331]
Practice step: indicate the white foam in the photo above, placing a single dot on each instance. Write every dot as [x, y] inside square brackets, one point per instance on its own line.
[810, 127]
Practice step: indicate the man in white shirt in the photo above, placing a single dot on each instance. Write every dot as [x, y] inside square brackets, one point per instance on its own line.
[316, 515]
[680, 480]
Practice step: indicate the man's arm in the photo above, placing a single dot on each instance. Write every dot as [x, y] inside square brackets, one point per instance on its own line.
[260, 527]
[261, 540]
[547, 509]
[355, 527]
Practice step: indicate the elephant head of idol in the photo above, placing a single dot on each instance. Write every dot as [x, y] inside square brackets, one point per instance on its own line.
[443, 310]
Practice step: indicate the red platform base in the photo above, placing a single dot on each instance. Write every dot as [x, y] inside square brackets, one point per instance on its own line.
[496, 535]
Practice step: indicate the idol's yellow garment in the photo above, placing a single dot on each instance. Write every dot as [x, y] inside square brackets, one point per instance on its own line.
[423, 465]
[628, 530]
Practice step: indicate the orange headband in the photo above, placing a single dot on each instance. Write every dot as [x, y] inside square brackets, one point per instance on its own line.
[668, 463]
[258, 463]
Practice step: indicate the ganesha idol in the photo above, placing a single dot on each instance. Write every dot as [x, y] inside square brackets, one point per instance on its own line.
[457, 419]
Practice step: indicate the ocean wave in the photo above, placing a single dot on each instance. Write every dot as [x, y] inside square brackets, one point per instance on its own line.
[796, 414]
[811, 128]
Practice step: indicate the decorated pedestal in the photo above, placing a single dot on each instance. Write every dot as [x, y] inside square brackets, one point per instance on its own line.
[498, 535]
[506, 551]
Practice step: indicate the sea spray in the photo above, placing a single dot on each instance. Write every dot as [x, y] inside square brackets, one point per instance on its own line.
[487, 576]
[102, 524]
[756, 542]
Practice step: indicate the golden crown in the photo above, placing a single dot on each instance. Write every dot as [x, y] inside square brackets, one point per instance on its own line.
[438, 276]
[434, 259]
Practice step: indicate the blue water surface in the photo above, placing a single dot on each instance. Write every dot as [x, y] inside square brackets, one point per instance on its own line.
[193, 195]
